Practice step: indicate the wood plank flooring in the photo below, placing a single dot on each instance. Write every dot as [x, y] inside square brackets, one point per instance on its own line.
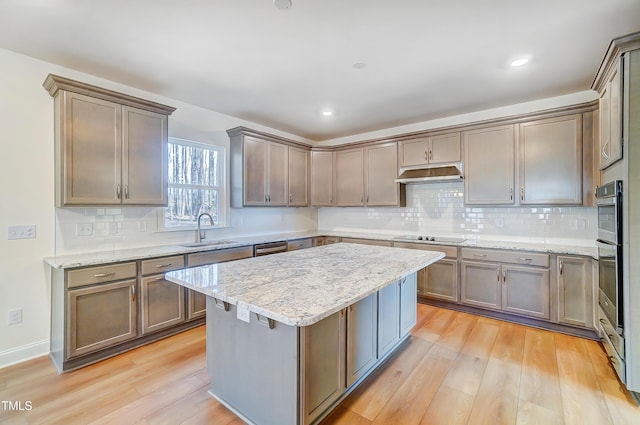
[457, 369]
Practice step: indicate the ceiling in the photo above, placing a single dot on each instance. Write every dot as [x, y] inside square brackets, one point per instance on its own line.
[423, 59]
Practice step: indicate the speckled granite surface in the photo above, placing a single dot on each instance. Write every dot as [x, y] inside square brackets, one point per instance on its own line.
[98, 258]
[299, 288]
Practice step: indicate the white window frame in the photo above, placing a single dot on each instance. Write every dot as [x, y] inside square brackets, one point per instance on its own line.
[223, 198]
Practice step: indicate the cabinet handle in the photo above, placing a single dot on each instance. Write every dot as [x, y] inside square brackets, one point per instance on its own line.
[118, 191]
[161, 266]
[426, 155]
[504, 276]
[511, 194]
[133, 293]
[522, 193]
[498, 275]
[525, 259]
[561, 266]
[290, 198]
[367, 199]
[613, 359]
[480, 255]
[430, 155]
[126, 191]
[104, 274]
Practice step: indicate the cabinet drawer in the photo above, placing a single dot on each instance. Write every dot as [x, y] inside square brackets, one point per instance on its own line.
[161, 265]
[299, 244]
[366, 241]
[449, 251]
[219, 256]
[512, 257]
[93, 275]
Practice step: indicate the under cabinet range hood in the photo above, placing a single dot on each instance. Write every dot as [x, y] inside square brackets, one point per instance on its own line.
[431, 173]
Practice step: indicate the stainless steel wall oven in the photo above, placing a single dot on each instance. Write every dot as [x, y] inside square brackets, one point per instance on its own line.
[610, 252]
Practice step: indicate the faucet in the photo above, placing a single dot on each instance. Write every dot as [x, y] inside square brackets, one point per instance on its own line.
[200, 234]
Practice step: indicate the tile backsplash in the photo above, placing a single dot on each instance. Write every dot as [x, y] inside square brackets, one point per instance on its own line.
[106, 229]
[439, 210]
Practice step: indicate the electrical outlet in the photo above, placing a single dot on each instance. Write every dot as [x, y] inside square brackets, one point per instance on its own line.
[22, 232]
[84, 229]
[14, 316]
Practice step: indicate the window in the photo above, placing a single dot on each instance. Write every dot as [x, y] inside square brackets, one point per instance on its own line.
[196, 184]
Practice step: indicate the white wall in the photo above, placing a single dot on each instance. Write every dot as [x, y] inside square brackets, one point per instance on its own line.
[27, 179]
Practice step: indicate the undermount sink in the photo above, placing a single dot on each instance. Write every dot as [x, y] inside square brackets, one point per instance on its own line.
[205, 243]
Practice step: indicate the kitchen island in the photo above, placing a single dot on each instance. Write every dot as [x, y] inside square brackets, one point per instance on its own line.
[291, 334]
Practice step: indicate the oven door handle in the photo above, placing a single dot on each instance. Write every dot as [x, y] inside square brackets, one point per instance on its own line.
[605, 244]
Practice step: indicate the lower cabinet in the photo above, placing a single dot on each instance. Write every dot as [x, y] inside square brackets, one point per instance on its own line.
[196, 304]
[440, 280]
[388, 318]
[514, 282]
[408, 300]
[576, 302]
[323, 356]
[100, 316]
[162, 304]
[362, 339]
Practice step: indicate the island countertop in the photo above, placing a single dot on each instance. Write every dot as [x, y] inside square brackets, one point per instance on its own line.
[300, 288]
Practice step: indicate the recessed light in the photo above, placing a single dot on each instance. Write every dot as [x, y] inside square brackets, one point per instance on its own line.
[520, 62]
[282, 4]
[359, 65]
[327, 113]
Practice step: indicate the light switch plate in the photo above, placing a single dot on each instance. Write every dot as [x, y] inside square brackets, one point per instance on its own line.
[22, 232]
[84, 229]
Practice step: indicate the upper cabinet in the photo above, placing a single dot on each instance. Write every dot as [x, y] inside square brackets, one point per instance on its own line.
[111, 148]
[489, 155]
[443, 148]
[298, 177]
[366, 176]
[610, 119]
[349, 177]
[260, 166]
[551, 161]
[321, 179]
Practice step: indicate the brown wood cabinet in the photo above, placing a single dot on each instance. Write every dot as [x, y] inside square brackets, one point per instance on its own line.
[322, 179]
[489, 164]
[438, 149]
[576, 302]
[611, 119]
[298, 174]
[111, 149]
[551, 161]
[349, 178]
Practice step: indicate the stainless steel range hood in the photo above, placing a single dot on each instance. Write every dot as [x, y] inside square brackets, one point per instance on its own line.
[431, 173]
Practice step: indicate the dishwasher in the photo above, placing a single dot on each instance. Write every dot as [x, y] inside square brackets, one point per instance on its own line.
[269, 248]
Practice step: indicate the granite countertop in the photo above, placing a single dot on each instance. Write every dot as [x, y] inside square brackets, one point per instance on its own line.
[300, 288]
[133, 254]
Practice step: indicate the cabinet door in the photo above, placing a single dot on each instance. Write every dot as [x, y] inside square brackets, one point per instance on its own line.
[349, 178]
[100, 316]
[298, 180]
[144, 145]
[362, 324]
[408, 301]
[277, 180]
[321, 179]
[444, 148]
[380, 174]
[575, 291]
[489, 166]
[441, 280]
[604, 110]
[481, 284]
[525, 291]
[414, 152]
[551, 161]
[161, 302]
[614, 149]
[388, 318]
[255, 171]
[323, 360]
[91, 151]
[196, 304]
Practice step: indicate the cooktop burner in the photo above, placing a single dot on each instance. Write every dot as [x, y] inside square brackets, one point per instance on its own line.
[430, 239]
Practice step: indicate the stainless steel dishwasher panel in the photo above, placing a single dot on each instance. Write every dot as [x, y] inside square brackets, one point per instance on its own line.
[269, 248]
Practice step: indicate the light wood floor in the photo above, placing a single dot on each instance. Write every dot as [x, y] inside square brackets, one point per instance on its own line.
[457, 369]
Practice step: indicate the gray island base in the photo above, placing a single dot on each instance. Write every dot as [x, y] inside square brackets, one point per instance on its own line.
[291, 335]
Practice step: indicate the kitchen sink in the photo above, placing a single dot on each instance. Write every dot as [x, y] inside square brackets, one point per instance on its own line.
[205, 243]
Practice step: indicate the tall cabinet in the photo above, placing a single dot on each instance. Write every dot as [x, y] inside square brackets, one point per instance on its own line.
[110, 148]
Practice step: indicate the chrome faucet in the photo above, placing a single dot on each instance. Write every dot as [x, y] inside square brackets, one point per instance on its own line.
[200, 234]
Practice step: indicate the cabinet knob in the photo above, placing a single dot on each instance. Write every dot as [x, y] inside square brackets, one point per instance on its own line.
[561, 266]
[133, 293]
[126, 191]
[118, 191]
[522, 193]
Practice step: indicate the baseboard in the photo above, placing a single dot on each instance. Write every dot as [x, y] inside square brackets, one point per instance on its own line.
[24, 353]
